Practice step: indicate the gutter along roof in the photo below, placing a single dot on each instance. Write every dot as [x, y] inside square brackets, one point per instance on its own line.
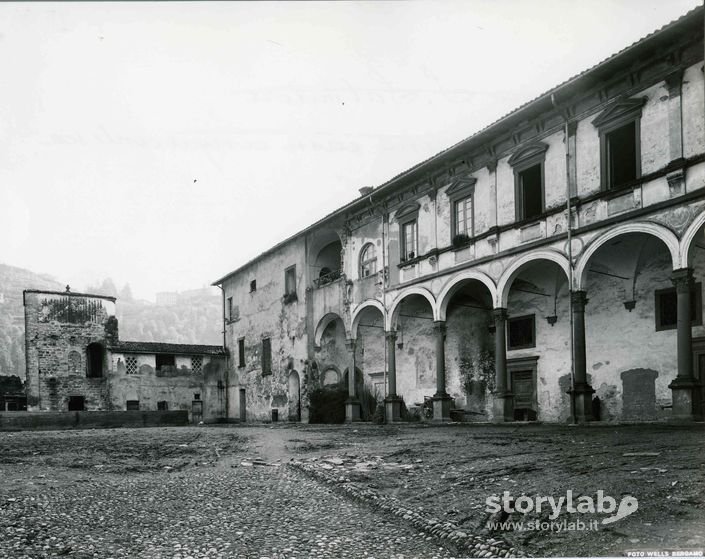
[543, 102]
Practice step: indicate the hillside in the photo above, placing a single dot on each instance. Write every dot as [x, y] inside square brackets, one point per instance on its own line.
[194, 317]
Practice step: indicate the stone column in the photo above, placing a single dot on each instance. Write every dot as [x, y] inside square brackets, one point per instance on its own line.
[392, 403]
[352, 405]
[581, 392]
[685, 388]
[503, 398]
[441, 399]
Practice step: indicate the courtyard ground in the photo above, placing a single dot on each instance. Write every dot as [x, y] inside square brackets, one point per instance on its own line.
[289, 490]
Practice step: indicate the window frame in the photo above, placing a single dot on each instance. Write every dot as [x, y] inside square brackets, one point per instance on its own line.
[407, 216]
[696, 297]
[290, 272]
[620, 114]
[241, 353]
[253, 285]
[368, 261]
[266, 358]
[529, 156]
[510, 347]
[230, 309]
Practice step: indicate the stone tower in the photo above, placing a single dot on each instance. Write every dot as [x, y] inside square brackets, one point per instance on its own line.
[67, 336]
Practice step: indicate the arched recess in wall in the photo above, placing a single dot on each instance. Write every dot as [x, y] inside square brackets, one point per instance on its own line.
[647, 228]
[95, 357]
[326, 321]
[529, 259]
[393, 314]
[325, 257]
[457, 283]
[694, 237]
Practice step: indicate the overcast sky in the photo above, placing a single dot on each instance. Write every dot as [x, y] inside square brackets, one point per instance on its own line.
[164, 145]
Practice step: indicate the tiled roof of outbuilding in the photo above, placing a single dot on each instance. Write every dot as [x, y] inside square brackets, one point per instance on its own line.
[160, 347]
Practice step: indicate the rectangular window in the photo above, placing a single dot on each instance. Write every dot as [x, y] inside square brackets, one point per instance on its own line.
[131, 365]
[530, 192]
[408, 240]
[77, 403]
[241, 352]
[266, 356]
[230, 308]
[253, 286]
[290, 280]
[132, 405]
[666, 307]
[621, 153]
[165, 360]
[521, 332]
[196, 364]
[197, 396]
[463, 216]
[162, 405]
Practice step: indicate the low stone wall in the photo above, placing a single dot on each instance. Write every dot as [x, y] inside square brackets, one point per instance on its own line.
[20, 421]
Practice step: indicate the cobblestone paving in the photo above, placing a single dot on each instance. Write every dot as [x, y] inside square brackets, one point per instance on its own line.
[222, 511]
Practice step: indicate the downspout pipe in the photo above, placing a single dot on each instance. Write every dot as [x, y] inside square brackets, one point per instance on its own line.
[227, 361]
[570, 255]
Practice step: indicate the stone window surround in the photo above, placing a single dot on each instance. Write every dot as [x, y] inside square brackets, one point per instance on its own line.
[459, 190]
[524, 364]
[529, 156]
[266, 361]
[241, 352]
[696, 296]
[405, 216]
[621, 113]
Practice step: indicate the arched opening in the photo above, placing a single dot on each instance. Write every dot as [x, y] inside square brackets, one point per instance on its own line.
[694, 255]
[327, 261]
[469, 347]
[630, 333]
[538, 338]
[327, 399]
[95, 357]
[370, 350]
[413, 320]
[368, 260]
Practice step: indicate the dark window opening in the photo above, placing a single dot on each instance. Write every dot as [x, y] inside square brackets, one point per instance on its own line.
[165, 360]
[522, 332]
[290, 280]
[162, 405]
[77, 403]
[408, 240]
[241, 352]
[94, 361]
[530, 192]
[230, 308]
[621, 155]
[196, 396]
[667, 307]
[253, 286]
[266, 356]
[132, 405]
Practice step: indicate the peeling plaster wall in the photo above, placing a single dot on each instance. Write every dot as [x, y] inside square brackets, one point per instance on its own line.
[693, 107]
[263, 314]
[177, 386]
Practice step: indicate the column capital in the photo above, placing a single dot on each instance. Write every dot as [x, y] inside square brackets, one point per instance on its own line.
[572, 127]
[578, 300]
[682, 279]
[492, 165]
[390, 335]
[439, 326]
[500, 314]
[350, 344]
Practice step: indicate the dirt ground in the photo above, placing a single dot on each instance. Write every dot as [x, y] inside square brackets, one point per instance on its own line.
[444, 472]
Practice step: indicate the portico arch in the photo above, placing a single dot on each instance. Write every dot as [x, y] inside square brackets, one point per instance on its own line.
[326, 321]
[687, 240]
[393, 313]
[510, 274]
[358, 312]
[456, 282]
[658, 231]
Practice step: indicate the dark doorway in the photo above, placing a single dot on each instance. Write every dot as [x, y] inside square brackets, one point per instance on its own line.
[243, 405]
[95, 355]
[77, 403]
[523, 390]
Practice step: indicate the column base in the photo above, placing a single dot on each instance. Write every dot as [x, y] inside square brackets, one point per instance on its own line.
[686, 395]
[392, 409]
[581, 394]
[352, 411]
[441, 408]
[503, 407]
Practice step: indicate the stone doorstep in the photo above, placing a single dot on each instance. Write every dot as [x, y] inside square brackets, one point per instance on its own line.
[447, 532]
